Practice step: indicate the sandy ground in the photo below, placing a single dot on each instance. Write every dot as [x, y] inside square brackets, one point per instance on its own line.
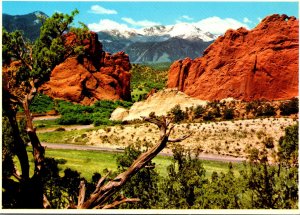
[45, 117]
[228, 138]
[67, 128]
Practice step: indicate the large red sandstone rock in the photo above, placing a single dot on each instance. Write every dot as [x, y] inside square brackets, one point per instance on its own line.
[94, 76]
[258, 64]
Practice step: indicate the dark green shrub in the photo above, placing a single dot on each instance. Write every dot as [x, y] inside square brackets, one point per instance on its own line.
[208, 116]
[41, 104]
[253, 106]
[290, 107]
[143, 185]
[98, 113]
[265, 110]
[60, 129]
[289, 145]
[199, 110]
[269, 142]
[228, 113]
[177, 113]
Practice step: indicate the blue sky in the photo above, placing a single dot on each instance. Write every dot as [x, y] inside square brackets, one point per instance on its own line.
[213, 16]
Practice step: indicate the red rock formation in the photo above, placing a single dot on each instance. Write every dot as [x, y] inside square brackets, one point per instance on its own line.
[94, 76]
[258, 64]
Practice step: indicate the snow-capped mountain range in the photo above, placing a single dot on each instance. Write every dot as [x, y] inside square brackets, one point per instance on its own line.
[158, 43]
[162, 33]
[148, 45]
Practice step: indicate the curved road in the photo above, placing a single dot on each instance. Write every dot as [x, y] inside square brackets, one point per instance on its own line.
[111, 149]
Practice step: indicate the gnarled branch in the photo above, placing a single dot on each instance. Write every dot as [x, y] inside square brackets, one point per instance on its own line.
[82, 190]
[180, 138]
[102, 194]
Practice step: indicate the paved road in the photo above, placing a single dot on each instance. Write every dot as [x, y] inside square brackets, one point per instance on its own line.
[111, 149]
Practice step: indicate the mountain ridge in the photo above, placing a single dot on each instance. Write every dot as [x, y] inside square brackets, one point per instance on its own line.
[154, 44]
[28, 23]
[148, 45]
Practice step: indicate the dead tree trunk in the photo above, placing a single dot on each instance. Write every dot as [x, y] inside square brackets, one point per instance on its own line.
[31, 189]
[38, 149]
[103, 192]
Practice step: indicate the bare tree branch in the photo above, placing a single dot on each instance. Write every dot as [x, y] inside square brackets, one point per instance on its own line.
[101, 181]
[82, 190]
[102, 194]
[179, 139]
[46, 203]
[17, 176]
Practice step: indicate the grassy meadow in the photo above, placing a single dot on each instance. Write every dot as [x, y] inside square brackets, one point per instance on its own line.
[89, 162]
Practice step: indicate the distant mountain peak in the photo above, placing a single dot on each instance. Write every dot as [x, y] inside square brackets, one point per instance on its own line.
[163, 33]
[30, 23]
[39, 13]
[158, 43]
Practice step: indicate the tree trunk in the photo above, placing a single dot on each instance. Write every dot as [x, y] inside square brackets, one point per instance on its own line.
[19, 145]
[35, 185]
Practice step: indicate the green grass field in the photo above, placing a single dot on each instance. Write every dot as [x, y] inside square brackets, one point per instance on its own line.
[46, 123]
[73, 136]
[89, 162]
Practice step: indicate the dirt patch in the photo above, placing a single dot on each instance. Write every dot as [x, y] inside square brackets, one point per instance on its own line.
[67, 128]
[45, 117]
[229, 138]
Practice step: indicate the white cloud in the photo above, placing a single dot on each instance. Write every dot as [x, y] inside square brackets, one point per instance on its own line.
[246, 20]
[101, 10]
[186, 17]
[259, 19]
[106, 25]
[219, 26]
[142, 23]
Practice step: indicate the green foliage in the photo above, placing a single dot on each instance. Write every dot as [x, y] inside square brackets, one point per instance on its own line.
[7, 148]
[266, 110]
[253, 105]
[143, 185]
[185, 181]
[177, 113]
[163, 66]
[60, 191]
[41, 104]
[288, 146]
[290, 107]
[39, 58]
[50, 48]
[145, 78]
[99, 113]
[223, 191]
[270, 187]
[198, 111]
[22, 129]
[260, 108]
[15, 47]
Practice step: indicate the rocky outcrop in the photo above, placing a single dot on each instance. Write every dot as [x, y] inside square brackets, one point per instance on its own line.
[160, 102]
[96, 75]
[247, 65]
